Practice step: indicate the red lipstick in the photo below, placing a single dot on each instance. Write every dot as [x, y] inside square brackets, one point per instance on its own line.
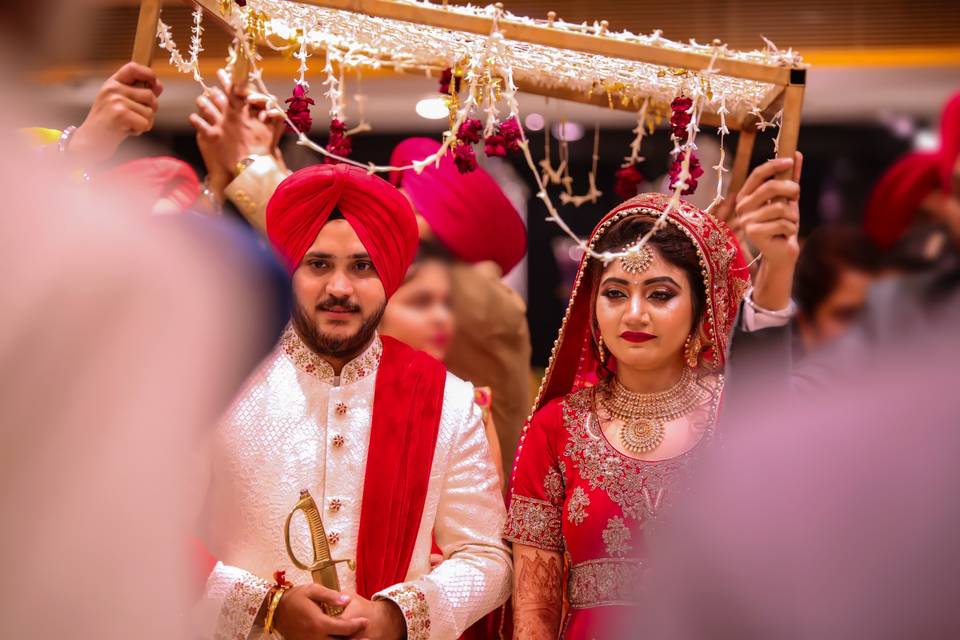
[637, 336]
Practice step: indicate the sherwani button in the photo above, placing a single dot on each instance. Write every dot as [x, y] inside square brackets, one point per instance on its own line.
[338, 440]
[335, 504]
[341, 409]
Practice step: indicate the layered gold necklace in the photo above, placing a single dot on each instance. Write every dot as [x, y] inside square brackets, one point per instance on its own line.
[644, 415]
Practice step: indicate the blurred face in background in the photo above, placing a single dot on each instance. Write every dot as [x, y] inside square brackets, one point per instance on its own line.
[420, 312]
[838, 310]
[837, 265]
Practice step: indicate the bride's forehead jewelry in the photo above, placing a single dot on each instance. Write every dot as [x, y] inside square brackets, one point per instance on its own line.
[637, 260]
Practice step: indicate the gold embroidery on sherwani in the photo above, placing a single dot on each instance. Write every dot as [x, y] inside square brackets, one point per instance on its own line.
[241, 607]
[413, 604]
[310, 362]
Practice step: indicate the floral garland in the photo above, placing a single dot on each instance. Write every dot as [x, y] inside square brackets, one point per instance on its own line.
[683, 151]
[489, 76]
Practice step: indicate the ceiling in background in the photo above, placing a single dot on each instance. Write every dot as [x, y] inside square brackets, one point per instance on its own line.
[871, 59]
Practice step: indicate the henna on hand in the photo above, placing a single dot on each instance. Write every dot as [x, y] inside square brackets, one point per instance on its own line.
[537, 593]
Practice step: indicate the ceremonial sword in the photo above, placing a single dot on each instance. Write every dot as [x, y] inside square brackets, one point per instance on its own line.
[323, 568]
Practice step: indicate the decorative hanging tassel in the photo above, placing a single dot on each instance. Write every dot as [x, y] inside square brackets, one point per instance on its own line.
[299, 109]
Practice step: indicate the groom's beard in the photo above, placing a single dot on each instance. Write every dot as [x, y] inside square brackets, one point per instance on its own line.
[340, 347]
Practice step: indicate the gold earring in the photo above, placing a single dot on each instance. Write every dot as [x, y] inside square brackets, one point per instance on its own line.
[691, 351]
[603, 353]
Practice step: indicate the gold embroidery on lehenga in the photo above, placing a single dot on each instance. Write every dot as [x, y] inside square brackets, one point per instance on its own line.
[638, 487]
[607, 581]
[553, 485]
[577, 506]
[616, 537]
[534, 522]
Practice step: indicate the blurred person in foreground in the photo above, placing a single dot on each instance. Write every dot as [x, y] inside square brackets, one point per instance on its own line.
[632, 395]
[115, 361]
[363, 421]
[839, 522]
[836, 267]
[468, 214]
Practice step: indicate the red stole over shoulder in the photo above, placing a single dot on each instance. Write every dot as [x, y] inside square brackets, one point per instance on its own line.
[407, 402]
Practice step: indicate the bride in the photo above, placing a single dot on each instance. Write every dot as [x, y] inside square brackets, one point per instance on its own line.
[633, 390]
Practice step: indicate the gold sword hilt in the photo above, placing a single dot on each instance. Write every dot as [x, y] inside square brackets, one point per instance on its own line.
[323, 568]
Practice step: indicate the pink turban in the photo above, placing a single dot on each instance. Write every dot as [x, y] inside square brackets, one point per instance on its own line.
[377, 212]
[467, 212]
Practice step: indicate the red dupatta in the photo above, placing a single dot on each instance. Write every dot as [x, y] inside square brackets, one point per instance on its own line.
[407, 403]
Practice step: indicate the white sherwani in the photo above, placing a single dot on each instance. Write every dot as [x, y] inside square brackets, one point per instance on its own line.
[296, 426]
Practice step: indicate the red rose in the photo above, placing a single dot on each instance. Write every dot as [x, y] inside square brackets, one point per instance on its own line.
[512, 134]
[694, 169]
[299, 109]
[465, 158]
[495, 145]
[628, 181]
[469, 131]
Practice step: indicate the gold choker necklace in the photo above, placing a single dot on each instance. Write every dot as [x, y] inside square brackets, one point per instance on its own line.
[645, 415]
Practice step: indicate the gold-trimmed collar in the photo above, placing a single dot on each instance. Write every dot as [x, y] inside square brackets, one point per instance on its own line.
[308, 361]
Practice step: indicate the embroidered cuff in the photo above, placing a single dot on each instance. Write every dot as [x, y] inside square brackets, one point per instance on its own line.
[413, 603]
[533, 522]
[252, 188]
[241, 606]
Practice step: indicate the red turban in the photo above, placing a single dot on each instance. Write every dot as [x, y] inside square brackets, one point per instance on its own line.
[156, 178]
[468, 212]
[897, 196]
[377, 212]
[949, 141]
[900, 191]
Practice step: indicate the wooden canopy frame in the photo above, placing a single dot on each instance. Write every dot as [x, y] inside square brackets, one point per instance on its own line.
[786, 94]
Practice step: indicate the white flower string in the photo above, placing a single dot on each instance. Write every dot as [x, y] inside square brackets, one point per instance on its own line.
[332, 83]
[191, 66]
[592, 192]
[301, 55]
[639, 132]
[357, 40]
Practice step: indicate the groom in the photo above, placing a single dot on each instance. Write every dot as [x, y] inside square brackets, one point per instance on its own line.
[389, 444]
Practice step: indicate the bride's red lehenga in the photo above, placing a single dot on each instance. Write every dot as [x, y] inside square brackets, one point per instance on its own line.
[571, 491]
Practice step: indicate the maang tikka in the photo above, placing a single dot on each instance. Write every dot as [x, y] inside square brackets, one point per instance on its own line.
[637, 260]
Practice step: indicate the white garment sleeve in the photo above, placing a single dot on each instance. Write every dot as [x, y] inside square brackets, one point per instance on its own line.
[230, 604]
[476, 573]
[752, 320]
